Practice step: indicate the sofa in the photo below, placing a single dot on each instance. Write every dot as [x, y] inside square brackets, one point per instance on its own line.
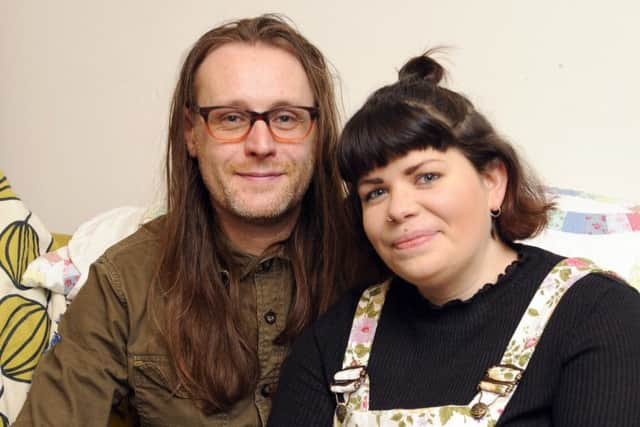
[40, 271]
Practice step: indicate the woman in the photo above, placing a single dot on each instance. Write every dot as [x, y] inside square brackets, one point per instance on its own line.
[461, 331]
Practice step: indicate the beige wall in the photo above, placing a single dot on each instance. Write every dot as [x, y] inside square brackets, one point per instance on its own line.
[85, 85]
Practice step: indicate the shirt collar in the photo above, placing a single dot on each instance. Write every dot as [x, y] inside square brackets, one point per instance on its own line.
[249, 264]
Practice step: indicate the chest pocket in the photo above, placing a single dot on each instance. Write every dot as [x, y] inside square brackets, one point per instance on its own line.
[155, 371]
[157, 398]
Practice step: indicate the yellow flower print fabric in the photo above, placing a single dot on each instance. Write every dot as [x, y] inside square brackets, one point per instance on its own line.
[24, 322]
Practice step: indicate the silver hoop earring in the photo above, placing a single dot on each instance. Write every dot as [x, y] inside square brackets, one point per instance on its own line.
[495, 213]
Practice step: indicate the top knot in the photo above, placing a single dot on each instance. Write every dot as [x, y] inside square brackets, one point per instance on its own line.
[422, 67]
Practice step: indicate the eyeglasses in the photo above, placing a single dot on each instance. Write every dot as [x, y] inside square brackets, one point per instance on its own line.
[288, 124]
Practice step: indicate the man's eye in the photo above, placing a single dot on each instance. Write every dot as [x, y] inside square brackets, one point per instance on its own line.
[232, 118]
[284, 118]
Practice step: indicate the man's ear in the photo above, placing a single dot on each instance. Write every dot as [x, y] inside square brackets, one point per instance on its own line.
[495, 179]
[189, 132]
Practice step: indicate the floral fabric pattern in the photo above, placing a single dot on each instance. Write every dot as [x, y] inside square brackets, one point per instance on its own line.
[593, 223]
[355, 412]
[54, 271]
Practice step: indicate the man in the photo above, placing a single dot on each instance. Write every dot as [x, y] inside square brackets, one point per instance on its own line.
[192, 315]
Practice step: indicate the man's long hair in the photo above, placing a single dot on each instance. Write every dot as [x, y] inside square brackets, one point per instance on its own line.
[195, 309]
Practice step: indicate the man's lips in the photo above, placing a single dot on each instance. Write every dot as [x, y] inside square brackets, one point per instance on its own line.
[260, 175]
[413, 239]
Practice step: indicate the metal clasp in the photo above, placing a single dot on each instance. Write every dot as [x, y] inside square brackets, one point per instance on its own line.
[348, 380]
[501, 379]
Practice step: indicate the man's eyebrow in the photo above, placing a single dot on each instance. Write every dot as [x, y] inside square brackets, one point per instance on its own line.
[244, 105]
[290, 103]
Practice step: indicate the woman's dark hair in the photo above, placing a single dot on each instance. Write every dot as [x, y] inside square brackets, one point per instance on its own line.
[416, 113]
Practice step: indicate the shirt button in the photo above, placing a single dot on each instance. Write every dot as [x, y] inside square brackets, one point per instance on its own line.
[270, 317]
[267, 390]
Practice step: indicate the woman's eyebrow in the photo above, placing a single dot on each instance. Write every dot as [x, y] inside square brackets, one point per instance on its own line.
[373, 181]
[408, 171]
[411, 169]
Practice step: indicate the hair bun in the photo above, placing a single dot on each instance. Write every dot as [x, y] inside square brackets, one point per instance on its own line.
[422, 67]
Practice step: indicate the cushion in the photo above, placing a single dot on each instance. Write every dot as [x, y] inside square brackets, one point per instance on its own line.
[65, 270]
[37, 278]
[25, 328]
[54, 271]
[603, 229]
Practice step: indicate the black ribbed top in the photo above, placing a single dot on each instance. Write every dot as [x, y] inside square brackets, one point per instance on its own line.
[584, 372]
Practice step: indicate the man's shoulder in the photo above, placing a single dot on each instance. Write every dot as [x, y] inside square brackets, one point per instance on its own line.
[143, 241]
[137, 255]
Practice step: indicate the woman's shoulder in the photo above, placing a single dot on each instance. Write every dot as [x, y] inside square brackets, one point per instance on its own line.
[591, 286]
[600, 280]
[599, 307]
[606, 288]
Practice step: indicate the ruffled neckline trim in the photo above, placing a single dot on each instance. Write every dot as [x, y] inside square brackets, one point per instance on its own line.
[484, 290]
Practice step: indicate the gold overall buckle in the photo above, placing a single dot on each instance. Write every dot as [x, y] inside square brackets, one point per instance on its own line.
[500, 380]
[345, 382]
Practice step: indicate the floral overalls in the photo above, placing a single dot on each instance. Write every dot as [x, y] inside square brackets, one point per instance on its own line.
[351, 384]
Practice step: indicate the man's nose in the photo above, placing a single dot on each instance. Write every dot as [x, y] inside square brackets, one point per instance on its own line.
[259, 141]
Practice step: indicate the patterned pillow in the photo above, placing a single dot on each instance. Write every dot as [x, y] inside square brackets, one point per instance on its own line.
[24, 324]
[603, 229]
[54, 271]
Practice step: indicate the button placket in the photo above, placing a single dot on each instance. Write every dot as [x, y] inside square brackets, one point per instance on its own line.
[267, 298]
[273, 284]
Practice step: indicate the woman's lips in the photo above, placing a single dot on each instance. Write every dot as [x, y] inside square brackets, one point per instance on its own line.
[411, 240]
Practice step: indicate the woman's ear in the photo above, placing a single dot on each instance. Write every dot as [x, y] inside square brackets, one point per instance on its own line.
[495, 179]
[189, 132]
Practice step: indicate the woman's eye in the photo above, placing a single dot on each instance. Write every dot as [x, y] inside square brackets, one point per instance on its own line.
[373, 194]
[428, 178]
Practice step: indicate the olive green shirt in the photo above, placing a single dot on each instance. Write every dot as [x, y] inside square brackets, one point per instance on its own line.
[110, 347]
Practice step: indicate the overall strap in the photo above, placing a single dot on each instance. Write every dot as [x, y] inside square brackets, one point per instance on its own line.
[351, 384]
[500, 381]
[365, 323]
[559, 280]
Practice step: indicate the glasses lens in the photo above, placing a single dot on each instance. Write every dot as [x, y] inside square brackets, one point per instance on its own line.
[290, 122]
[228, 123]
[287, 124]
